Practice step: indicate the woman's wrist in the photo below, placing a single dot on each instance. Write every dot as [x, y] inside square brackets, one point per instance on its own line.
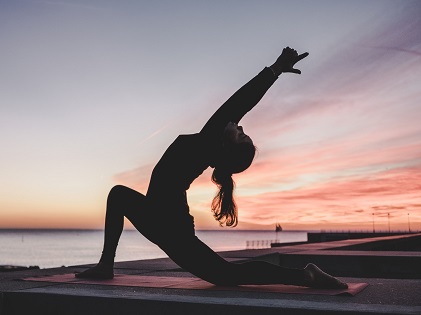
[275, 69]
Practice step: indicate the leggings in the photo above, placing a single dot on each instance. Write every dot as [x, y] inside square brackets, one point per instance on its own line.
[187, 250]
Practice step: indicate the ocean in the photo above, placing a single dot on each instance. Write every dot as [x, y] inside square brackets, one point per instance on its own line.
[56, 248]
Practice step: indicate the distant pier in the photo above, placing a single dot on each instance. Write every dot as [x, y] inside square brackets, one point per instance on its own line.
[331, 236]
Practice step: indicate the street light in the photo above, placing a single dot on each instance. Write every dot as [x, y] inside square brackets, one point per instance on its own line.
[388, 220]
[409, 226]
[374, 231]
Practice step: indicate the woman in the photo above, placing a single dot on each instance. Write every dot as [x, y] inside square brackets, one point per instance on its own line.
[163, 216]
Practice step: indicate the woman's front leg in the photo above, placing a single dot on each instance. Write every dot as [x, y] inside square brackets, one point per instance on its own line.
[121, 202]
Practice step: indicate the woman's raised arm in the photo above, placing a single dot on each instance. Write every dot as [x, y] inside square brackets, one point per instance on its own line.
[251, 93]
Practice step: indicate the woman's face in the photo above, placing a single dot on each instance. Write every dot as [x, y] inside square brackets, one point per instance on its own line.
[234, 134]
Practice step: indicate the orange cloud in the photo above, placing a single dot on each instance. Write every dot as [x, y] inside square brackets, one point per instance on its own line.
[342, 202]
[342, 144]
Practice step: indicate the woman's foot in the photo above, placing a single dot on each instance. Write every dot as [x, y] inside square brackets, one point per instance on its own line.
[101, 271]
[319, 279]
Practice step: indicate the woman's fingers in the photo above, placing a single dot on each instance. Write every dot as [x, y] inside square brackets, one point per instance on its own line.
[288, 59]
[293, 70]
[302, 56]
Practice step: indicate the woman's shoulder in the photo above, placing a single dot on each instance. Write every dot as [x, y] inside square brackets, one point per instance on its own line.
[193, 137]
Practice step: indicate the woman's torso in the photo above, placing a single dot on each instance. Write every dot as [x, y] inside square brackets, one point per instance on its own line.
[184, 160]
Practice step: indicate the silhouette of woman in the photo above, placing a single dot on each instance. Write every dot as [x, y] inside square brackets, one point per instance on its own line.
[162, 216]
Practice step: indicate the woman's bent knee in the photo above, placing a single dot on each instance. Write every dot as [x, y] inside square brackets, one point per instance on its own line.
[118, 190]
[119, 194]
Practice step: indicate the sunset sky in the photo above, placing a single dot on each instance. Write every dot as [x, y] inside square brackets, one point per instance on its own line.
[93, 92]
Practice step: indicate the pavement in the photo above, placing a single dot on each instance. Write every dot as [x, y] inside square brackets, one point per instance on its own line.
[394, 279]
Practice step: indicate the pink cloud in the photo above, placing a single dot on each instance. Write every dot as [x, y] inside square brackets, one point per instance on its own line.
[137, 178]
[342, 201]
[344, 147]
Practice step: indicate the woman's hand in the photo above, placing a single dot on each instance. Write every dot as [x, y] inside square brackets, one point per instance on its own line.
[287, 60]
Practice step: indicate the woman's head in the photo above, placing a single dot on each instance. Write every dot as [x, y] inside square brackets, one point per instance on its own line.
[235, 134]
[237, 151]
[236, 155]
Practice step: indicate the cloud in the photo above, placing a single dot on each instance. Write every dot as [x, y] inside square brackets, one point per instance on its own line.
[344, 143]
[153, 134]
[394, 192]
[137, 178]
[368, 63]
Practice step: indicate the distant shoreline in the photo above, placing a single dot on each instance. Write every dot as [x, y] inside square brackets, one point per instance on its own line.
[96, 230]
[339, 231]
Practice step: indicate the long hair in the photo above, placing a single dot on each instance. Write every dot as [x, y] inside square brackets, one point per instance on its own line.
[223, 204]
[234, 159]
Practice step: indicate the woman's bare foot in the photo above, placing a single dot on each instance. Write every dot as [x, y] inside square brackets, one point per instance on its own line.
[101, 271]
[320, 279]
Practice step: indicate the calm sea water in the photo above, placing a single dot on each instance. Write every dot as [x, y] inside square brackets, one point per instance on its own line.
[55, 248]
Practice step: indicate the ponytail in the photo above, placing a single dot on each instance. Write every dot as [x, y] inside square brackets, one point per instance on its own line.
[223, 205]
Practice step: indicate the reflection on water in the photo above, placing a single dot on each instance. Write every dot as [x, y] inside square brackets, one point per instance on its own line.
[55, 248]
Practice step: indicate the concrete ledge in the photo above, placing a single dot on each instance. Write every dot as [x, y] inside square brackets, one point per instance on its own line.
[99, 303]
[353, 264]
[336, 236]
[383, 295]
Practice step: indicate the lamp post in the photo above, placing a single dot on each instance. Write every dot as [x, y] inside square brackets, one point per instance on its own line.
[409, 226]
[388, 220]
[374, 231]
